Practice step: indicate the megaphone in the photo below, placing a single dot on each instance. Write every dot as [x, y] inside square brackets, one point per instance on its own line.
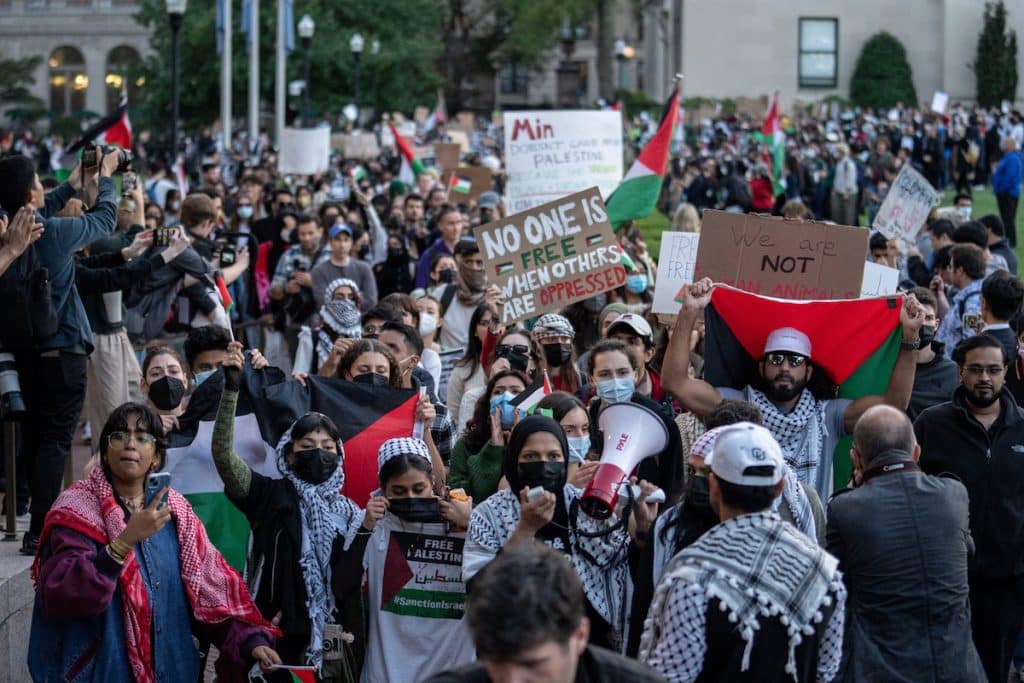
[631, 433]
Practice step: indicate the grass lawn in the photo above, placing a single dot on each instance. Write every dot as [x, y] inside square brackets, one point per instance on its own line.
[984, 203]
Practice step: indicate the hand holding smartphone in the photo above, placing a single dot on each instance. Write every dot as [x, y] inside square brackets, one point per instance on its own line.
[156, 482]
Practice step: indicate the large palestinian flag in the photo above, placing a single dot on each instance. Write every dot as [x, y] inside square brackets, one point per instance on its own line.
[855, 342]
[268, 403]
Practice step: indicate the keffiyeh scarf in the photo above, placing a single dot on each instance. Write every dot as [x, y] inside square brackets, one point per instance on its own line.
[801, 432]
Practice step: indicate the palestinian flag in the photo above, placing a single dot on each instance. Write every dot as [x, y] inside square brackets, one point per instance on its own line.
[775, 139]
[638, 192]
[297, 674]
[533, 395]
[459, 184]
[120, 133]
[411, 166]
[855, 342]
[504, 268]
[439, 116]
[225, 295]
[357, 173]
[595, 240]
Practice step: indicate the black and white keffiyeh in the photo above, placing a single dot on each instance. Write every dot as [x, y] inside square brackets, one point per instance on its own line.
[801, 432]
[326, 514]
[405, 445]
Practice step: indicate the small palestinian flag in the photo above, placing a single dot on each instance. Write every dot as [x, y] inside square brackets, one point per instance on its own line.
[225, 296]
[504, 268]
[357, 173]
[854, 342]
[460, 184]
[528, 400]
[298, 674]
[595, 240]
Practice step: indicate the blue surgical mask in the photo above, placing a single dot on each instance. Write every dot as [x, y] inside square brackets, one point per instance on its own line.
[637, 284]
[203, 376]
[579, 446]
[616, 390]
[965, 211]
[508, 417]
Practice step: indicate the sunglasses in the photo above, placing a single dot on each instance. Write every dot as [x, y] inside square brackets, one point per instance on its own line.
[776, 359]
[503, 350]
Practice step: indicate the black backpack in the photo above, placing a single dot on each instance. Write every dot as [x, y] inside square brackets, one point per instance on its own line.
[27, 316]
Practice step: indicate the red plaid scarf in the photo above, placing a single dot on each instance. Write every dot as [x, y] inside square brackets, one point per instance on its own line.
[215, 590]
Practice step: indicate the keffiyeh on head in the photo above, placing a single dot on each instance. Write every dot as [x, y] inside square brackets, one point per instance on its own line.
[392, 448]
[703, 446]
[332, 287]
[552, 325]
[342, 317]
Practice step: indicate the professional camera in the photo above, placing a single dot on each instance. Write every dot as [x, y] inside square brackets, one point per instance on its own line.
[91, 157]
[11, 402]
[228, 255]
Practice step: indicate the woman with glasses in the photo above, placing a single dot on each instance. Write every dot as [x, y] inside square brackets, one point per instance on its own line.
[123, 585]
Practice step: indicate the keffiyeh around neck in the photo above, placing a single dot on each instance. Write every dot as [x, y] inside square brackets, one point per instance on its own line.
[801, 432]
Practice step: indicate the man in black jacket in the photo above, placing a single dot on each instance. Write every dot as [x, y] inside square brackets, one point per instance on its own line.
[902, 541]
[936, 376]
[979, 437]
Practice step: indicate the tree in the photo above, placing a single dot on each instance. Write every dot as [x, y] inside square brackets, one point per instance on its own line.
[995, 65]
[405, 69]
[16, 75]
[882, 76]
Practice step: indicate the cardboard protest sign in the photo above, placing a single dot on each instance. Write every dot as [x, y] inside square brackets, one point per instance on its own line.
[550, 154]
[469, 183]
[447, 155]
[465, 120]
[304, 150]
[939, 101]
[906, 206]
[879, 280]
[551, 255]
[675, 269]
[460, 138]
[786, 259]
[752, 106]
[360, 145]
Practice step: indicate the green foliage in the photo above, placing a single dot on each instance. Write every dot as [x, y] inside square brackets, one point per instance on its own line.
[635, 101]
[16, 75]
[882, 76]
[404, 71]
[995, 64]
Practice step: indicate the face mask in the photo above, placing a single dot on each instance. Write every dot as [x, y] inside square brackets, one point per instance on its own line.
[516, 361]
[364, 251]
[549, 474]
[314, 466]
[203, 376]
[371, 378]
[395, 252]
[422, 510]
[579, 446]
[557, 355]
[446, 276]
[698, 494]
[245, 212]
[504, 401]
[926, 335]
[616, 390]
[965, 211]
[166, 393]
[428, 324]
[475, 279]
[637, 284]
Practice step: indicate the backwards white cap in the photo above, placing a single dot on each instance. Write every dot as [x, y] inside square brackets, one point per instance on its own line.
[788, 339]
[743, 445]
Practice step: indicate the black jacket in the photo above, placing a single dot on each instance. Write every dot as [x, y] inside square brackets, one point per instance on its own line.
[903, 544]
[934, 382]
[596, 665]
[990, 463]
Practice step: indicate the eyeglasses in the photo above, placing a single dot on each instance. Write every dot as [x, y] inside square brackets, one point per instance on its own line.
[776, 359]
[120, 439]
[990, 370]
[487, 322]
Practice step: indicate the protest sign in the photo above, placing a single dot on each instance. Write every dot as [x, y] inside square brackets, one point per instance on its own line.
[906, 206]
[360, 145]
[939, 101]
[420, 114]
[460, 138]
[465, 121]
[675, 269]
[447, 155]
[469, 183]
[551, 255]
[782, 258]
[550, 154]
[878, 280]
[407, 129]
[304, 150]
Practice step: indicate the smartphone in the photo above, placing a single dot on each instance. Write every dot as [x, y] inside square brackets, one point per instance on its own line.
[129, 181]
[971, 322]
[162, 237]
[155, 481]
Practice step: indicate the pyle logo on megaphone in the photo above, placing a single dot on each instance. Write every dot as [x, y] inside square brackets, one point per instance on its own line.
[631, 433]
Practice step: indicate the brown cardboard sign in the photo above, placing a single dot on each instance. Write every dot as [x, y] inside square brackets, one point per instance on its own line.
[469, 183]
[551, 255]
[447, 155]
[786, 259]
[360, 145]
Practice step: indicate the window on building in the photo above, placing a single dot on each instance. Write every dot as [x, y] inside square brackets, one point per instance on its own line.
[123, 71]
[514, 78]
[68, 80]
[819, 49]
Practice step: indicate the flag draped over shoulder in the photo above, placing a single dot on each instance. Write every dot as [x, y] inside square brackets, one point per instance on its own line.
[854, 342]
[411, 166]
[637, 194]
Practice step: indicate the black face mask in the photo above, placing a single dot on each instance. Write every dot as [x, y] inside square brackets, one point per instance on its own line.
[698, 495]
[548, 474]
[926, 335]
[166, 393]
[446, 276]
[517, 361]
[557, 355]
[395, 252]
[314, 466]
[371, 378]
[364, 252]
[422, 510]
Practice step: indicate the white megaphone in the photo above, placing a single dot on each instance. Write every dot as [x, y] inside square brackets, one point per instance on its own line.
[631, 433]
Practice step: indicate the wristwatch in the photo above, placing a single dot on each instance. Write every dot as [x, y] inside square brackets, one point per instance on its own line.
[910, 344]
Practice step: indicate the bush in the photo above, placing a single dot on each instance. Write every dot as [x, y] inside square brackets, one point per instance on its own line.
[995, 66]
[882, 76]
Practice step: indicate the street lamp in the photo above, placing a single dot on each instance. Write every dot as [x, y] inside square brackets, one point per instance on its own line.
[623, 53]
[306, 28]
[356, 45]
[175, 13]
[375, 51]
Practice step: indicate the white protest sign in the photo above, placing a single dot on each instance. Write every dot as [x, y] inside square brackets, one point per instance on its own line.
[939, 101]
[407, 129]
[551, 154]
[675, 268]
[304, 150]
[879, 280]
[906, 206]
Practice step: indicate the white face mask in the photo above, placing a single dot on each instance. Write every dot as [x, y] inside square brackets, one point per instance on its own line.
[428, 324]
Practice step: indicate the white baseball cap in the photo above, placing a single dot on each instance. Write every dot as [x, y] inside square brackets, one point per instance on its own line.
[635, 322]
[744, 445]
[788, 339]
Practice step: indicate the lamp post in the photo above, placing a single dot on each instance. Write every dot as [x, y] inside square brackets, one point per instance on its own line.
[306, 28]
[356, 45]
[175, 13]
[623, 53]
[375, 51]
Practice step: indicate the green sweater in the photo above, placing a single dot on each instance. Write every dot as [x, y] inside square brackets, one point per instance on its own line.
[477, 473]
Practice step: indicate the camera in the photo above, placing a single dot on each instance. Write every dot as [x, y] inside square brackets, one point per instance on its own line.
[228, 255]
[11, 402]
[91, 157]
[162, 236]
